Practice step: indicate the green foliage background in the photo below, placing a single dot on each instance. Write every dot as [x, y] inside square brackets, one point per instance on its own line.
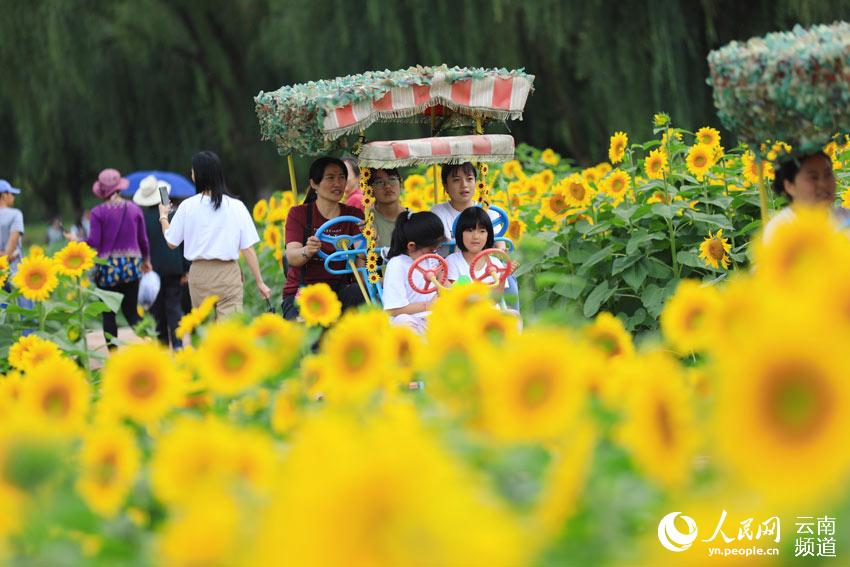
[139, 84]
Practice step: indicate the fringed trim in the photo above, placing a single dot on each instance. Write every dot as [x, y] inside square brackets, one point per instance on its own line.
[431, 160]
[416, 111]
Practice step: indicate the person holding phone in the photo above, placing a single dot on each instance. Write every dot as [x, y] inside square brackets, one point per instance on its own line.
[168, 263]
[214, 228]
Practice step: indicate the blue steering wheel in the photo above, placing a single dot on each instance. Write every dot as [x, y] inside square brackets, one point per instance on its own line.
[500, 225]
[342, 241]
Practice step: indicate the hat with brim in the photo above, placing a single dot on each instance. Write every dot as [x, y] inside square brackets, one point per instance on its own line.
[6, 187]
[108, 182]
[147, 195]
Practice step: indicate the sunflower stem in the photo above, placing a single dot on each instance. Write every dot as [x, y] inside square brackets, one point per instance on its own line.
[84, 356]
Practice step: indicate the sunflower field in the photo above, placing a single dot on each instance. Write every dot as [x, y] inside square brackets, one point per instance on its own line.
[654, 371]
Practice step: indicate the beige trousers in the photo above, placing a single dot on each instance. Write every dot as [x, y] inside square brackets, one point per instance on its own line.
[217, 277]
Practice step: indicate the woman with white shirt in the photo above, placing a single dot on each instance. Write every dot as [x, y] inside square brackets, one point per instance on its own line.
[807, 181]
[213, 228]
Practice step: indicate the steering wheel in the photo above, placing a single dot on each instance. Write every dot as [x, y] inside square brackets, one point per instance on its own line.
[341, 241]
[493, 274]
[500, 224]
[434, 276]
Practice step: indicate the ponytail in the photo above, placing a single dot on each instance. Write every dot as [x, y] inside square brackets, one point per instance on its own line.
[423, 229]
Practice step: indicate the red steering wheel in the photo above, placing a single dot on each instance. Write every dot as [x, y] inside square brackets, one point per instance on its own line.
[434, 276]
[493, 274]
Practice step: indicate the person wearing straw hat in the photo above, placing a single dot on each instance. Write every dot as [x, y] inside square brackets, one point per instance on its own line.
[168, 263]
[119, 236]
[214, 228]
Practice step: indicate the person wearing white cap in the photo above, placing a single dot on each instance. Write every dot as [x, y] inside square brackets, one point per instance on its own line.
[168, 263]
[11, 225]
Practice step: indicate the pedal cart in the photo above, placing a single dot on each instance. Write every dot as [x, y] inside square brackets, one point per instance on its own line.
[332, 116]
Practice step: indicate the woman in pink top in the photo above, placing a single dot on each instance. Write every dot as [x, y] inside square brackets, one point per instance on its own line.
[353, 196]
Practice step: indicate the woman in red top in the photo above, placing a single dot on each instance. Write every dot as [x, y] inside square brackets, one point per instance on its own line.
[327, 185]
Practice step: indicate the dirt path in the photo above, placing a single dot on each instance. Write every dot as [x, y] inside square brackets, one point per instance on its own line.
[97, 344]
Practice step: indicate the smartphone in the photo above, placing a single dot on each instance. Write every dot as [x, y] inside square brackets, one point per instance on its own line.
[163, 195]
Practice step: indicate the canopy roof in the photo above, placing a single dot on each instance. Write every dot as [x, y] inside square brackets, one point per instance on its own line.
[316, 117]
[427, 151]
[790, 86]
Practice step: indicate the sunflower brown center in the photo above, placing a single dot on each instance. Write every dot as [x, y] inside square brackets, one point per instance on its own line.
[535, 390]
[665, 426]
[716, 249]
[56, 401]
[796, 403]
[356, 355]
[700, 160]
[316, 305]
[234, 359]
[692, 318]
[142, 384]
[73, 262]
[107, 469]
[577, 191]
[36, 280]
[558, 204]
[609, 344]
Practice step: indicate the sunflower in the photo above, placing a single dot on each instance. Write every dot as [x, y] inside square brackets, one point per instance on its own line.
[512, 169]
[282, 338]
[356, 352]
[617, 149]
[610, 336]
[685, 316]
[549, 157]
[564, 480]
[30, 350]
[755, 171]
[277, 214]
[368, 201]
[36, 250]
[318, 304]
[229, 359]
[374, 277]
[36, 277]
[142, 382]
[699, 160]
[261, 209]
[495, 325]
[659, 426]
[272, 237]
[196, 317]
[192, 455]
[415, 182]
[782, 407]
[516, 228]
[555, 206]
[714, 250]
[616, 185]
[529, 395]
[708, 136]
[576, 192]
[655, 164]
[660, 119]
[590, 176]
[810, 243]
[363, 514]
[4, 269]
[547, 176]
[109, 462]
[57, 395]
[415, 202]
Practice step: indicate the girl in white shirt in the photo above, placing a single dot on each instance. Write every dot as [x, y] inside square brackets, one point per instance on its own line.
[474, 234]
[415, 235]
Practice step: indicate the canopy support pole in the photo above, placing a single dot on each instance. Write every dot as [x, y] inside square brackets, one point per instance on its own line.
[292, 181]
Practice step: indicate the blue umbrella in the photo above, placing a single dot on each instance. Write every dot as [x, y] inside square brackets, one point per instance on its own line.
[181, 188]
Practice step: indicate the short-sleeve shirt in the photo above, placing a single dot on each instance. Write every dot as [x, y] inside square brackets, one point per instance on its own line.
[384, 229]
[397, 290]
[11, 220]
[448, 214]
[316, 272]
[459, 267]
[212, 234]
